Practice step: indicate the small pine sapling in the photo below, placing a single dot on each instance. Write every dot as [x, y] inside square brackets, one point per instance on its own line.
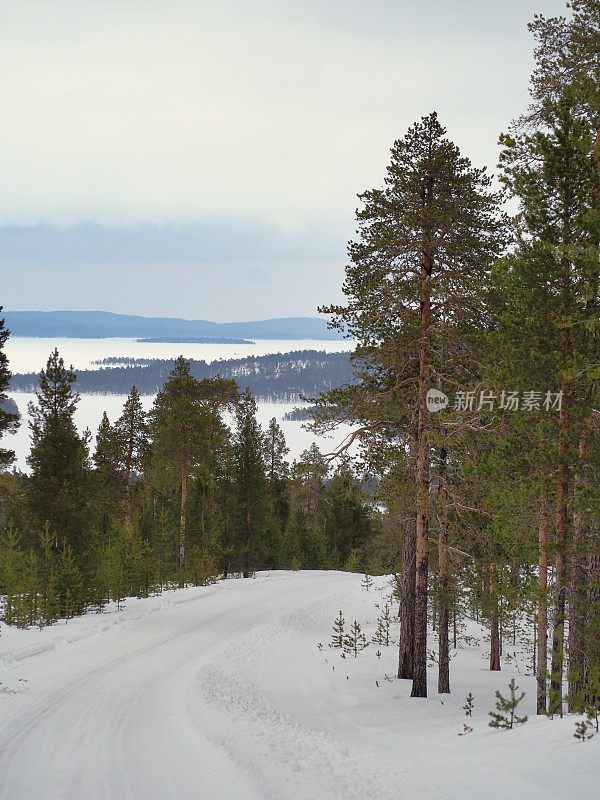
[505, 716]
[467, 729]
[337, 636]
[469, 705]
[583, 730]
[592, 697]
[355, 641]
[367, 582]
[593, 715]
[382, 636]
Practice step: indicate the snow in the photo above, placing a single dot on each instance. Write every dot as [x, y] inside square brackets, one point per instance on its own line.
[221, 692]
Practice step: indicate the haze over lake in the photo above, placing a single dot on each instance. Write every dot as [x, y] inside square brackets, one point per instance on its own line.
[30, 355]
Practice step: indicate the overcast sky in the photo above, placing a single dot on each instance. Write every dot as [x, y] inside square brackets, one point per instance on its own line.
[201, 158]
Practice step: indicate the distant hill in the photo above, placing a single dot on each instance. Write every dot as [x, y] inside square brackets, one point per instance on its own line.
[102, 325]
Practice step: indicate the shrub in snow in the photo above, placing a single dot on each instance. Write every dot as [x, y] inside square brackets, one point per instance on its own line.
[367, 582]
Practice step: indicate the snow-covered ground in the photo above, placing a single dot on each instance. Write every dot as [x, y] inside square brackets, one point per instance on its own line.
[222, 693]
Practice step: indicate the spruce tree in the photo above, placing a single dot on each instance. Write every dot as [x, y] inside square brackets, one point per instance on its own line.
[251, 487]
[59, 483]
[9, 422]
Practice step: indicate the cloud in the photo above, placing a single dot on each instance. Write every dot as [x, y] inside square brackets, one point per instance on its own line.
[220, 271]
[169, 111]
[203, 158]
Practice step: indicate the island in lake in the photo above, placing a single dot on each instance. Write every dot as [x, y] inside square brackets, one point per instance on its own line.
[193, 340]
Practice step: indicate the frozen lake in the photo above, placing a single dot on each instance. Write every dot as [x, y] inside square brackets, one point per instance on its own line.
[30, 355]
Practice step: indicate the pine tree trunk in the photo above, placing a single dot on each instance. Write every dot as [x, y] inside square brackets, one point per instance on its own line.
[183, 518]
[407, 606]
[558, 636]
[542, 616]
[443, 583]
[592, 640]
[578, 582]
[419, 687]
[454, 627]
[494, 624]
[248, 529]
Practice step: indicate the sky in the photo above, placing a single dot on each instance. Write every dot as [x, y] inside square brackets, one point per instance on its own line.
[202, 159]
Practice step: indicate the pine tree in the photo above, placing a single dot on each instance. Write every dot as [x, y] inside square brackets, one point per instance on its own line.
[30, 590]
[251, 487]
[549, 288]
[131, 432]
[418, 272]
[382, 635]
[275, 452]
[49, 601]
[505, 716]
[349, 523]
[355, 641]
[106, 476]
[9, 422]
[367, 582]
[337, 637]
[70, 582]
[111, 570]
[469, 705]
[184, 424]
[583, 730]
[12, 559]
[306, 536]
[59, 456]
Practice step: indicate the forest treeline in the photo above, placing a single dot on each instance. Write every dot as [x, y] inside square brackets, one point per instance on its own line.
[486, 504]
[168, 498]
[279, 377]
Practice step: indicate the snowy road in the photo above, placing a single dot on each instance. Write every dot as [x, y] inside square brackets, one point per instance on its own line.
[115, 718]
[221, 693]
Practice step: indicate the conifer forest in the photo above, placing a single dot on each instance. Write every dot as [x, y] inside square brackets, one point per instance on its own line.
[446, 550]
